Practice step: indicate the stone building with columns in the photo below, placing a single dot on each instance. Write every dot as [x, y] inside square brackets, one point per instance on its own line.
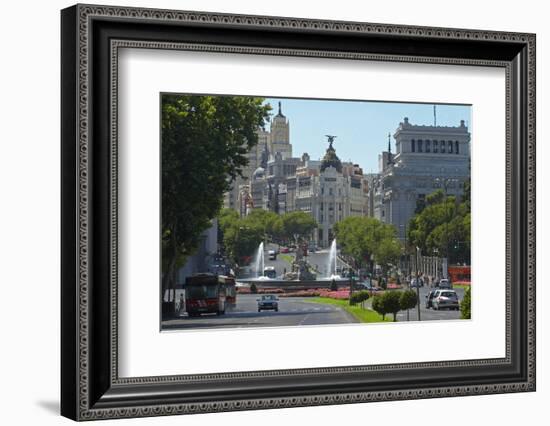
[426, 158]
[328, 189]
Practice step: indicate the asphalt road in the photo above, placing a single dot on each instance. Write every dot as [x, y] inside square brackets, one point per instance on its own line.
[293, 311]
[319, 260]
[430, 314]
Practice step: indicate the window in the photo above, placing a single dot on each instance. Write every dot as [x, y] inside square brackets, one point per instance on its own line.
[330, 191]
[412, 146]
[427, 146]
[442, 145]
[435, 147]
[456, 147]
[420, 145]
[340, 206]
[450, 147]
[322, 191]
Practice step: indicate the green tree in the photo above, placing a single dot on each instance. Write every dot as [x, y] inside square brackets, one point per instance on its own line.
[241, 239]
[465, 305]
[443, 226]
[392, 303]
[378, 306]
[358, 297]
[367, 238]
[408, 300]
[268, 221]
[204, 142]
[297, 225]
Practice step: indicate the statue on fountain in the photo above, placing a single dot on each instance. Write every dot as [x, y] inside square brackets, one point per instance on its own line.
[300, 268]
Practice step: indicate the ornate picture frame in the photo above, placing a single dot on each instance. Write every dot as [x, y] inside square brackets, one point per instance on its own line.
[91, 386]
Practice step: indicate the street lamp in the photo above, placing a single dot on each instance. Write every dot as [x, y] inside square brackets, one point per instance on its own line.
[445, 182]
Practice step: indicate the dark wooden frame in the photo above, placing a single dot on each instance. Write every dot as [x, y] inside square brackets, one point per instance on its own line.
[90, 386]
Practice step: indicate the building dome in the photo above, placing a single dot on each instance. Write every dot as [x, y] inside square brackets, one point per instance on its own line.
[259, 173]
[331, 159]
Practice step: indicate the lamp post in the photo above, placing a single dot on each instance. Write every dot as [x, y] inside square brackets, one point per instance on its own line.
[445, 182]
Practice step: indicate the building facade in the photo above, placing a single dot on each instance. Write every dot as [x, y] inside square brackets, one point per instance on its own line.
[327, 189]
[426, 158]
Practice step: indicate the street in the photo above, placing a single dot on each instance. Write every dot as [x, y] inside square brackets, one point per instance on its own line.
[430, 314]
[292, 311]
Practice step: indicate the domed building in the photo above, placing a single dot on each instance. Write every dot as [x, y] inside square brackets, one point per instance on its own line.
[337, 190]
[328, 188]
[331, 159]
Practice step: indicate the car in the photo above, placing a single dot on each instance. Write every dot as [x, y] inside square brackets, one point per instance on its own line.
[420, 282]
[445, 283]
[270, 272]
[272, 254]
[445, 299]
[361, 285]
[429, 299]
[285, 250]
[268, 302]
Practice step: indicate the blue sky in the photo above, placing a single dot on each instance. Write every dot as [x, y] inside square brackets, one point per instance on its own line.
[361, 127]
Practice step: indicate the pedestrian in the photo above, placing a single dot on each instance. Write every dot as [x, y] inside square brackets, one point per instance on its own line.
[181, 303]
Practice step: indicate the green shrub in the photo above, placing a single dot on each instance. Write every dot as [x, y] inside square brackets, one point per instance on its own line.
[408, 300]
[333, 285]
[358, 297]
[465, 305]
[391, 302]
[378, 306]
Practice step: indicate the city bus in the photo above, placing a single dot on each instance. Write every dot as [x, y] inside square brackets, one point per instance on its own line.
[204, 294]
[230, 290]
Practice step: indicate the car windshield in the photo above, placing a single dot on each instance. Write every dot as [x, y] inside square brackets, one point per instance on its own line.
[268, 297]
[448, 294]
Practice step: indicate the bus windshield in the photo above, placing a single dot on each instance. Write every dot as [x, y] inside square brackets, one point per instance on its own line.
[202, 291]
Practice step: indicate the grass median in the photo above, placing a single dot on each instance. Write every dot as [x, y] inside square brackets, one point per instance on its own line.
[362, 314]
[287, 258]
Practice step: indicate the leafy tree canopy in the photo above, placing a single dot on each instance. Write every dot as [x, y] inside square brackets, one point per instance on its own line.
[443, 226]
[204, 142]
[365, 238]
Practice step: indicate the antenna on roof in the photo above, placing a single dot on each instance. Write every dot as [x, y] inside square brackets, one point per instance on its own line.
[435, 117]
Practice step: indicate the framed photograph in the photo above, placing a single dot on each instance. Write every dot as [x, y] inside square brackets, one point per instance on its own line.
[265, 212]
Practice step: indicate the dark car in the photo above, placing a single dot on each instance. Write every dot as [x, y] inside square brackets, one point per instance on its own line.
[414, 282]
[268, 302]
[429, 299]
[445, 283]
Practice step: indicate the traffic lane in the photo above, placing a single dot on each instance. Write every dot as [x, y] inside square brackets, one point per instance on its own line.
[431, 314]
[319, 260]
[281, 266]
[293, 311]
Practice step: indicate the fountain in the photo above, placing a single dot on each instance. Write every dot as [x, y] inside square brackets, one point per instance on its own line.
[332, 262]
[259, 264]
[259, 261]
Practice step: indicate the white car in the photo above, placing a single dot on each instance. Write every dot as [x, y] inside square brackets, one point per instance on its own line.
[445, 299]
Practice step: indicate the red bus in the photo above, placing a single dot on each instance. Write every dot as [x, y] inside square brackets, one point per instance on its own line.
[230, 290]
[204, 294]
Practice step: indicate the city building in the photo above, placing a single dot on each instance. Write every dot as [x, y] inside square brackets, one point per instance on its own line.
[426, 158]
[328, 189]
